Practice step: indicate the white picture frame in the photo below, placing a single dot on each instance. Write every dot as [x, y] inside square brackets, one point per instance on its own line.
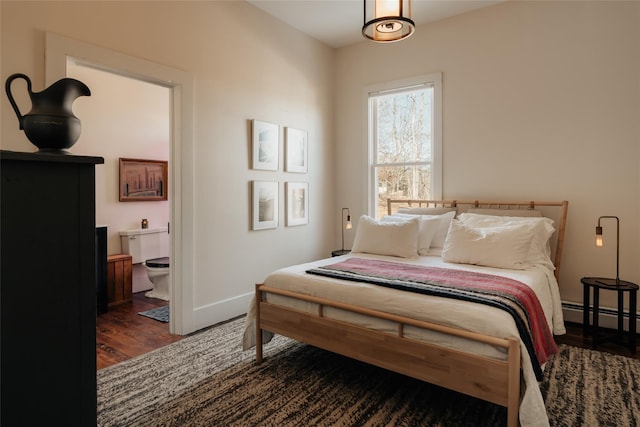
[296, 142]
[264, 204]
[265, 145]
[297, 203]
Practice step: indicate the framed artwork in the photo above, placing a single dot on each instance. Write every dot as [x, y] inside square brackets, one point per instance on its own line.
[297, 203]
[296, 150]
[143, 180]
[264, 204]
[265, 141]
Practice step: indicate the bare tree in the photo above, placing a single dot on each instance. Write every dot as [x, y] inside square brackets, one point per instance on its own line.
[404, 141]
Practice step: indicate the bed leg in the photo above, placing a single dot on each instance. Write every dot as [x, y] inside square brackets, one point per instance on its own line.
[257, 327]
[259, 351]
[514, 383]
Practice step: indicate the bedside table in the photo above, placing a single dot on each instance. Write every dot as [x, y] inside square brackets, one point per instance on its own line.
[340, 252]
[620, 287]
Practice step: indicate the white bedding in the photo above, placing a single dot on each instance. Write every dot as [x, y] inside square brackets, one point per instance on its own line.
[474, 317]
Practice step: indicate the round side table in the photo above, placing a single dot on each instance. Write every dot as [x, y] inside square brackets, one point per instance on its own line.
[619, 286]
[340, 252]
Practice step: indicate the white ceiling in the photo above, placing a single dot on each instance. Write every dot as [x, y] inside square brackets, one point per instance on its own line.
[338, 23]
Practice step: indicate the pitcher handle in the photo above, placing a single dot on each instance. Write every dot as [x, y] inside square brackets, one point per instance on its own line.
[7, 87]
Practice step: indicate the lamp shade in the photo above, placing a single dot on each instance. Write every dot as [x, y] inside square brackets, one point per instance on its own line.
[387, 20]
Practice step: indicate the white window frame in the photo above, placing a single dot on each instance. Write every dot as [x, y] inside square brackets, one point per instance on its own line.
[399, 86]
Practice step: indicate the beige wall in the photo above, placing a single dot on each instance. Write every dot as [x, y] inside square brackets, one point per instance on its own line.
[245, 65]
[541, 100]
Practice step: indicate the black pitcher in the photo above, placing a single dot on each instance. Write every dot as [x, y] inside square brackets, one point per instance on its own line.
[50, 125]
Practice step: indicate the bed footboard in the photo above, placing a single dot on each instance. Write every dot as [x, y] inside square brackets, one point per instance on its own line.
[496, 381]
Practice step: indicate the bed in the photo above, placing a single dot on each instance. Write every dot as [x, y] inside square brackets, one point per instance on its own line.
[351, 306]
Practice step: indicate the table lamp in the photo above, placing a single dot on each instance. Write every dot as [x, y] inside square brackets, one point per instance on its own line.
[600, 243]
[346, 226]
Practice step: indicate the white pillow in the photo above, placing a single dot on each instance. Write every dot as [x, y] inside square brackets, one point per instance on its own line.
[428, 227]
[442, 226]
[542, 227]
[501, 247]
[387, 238]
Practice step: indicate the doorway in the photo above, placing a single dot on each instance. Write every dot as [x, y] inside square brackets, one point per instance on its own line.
[59, 50]
[125, 118]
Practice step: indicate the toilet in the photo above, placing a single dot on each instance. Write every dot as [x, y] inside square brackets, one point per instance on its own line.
[150, 247]
[158, 272]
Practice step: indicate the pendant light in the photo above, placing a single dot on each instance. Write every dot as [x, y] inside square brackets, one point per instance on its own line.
[391, 21]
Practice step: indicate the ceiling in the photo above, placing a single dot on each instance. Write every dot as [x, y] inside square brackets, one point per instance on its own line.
[338, 23]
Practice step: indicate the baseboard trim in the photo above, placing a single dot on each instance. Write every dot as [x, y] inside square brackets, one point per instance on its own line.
[608, 317]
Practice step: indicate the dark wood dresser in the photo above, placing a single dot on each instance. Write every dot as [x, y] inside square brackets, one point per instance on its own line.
[47, 289]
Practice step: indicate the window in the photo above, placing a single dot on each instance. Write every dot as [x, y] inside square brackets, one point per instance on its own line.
[404, 141]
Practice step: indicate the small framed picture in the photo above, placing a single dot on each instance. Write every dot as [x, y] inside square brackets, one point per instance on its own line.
[265, 141]
[297, 203]
[143, 180]
[264, 201]
[296, 150]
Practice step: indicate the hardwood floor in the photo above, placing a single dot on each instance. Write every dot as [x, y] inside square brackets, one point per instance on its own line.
[574, 337]
[122, 333]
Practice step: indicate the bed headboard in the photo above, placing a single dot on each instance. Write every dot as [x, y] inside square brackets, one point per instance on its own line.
[554, 210]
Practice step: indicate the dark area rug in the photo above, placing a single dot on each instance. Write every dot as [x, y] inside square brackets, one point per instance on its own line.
[207, 380]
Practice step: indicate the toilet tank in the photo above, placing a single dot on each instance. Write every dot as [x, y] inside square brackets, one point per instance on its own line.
[145, 243]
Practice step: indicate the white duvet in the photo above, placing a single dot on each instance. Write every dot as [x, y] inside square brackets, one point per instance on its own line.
[474, 317]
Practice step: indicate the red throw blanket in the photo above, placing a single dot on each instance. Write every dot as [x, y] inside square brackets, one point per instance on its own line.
[510, 295]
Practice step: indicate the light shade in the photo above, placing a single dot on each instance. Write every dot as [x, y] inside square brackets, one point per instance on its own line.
[389, 20]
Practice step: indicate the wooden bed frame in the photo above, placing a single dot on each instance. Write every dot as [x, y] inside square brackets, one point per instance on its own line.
[496, 381]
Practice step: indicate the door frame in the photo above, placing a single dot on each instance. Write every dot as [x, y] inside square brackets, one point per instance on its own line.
[181, 204]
